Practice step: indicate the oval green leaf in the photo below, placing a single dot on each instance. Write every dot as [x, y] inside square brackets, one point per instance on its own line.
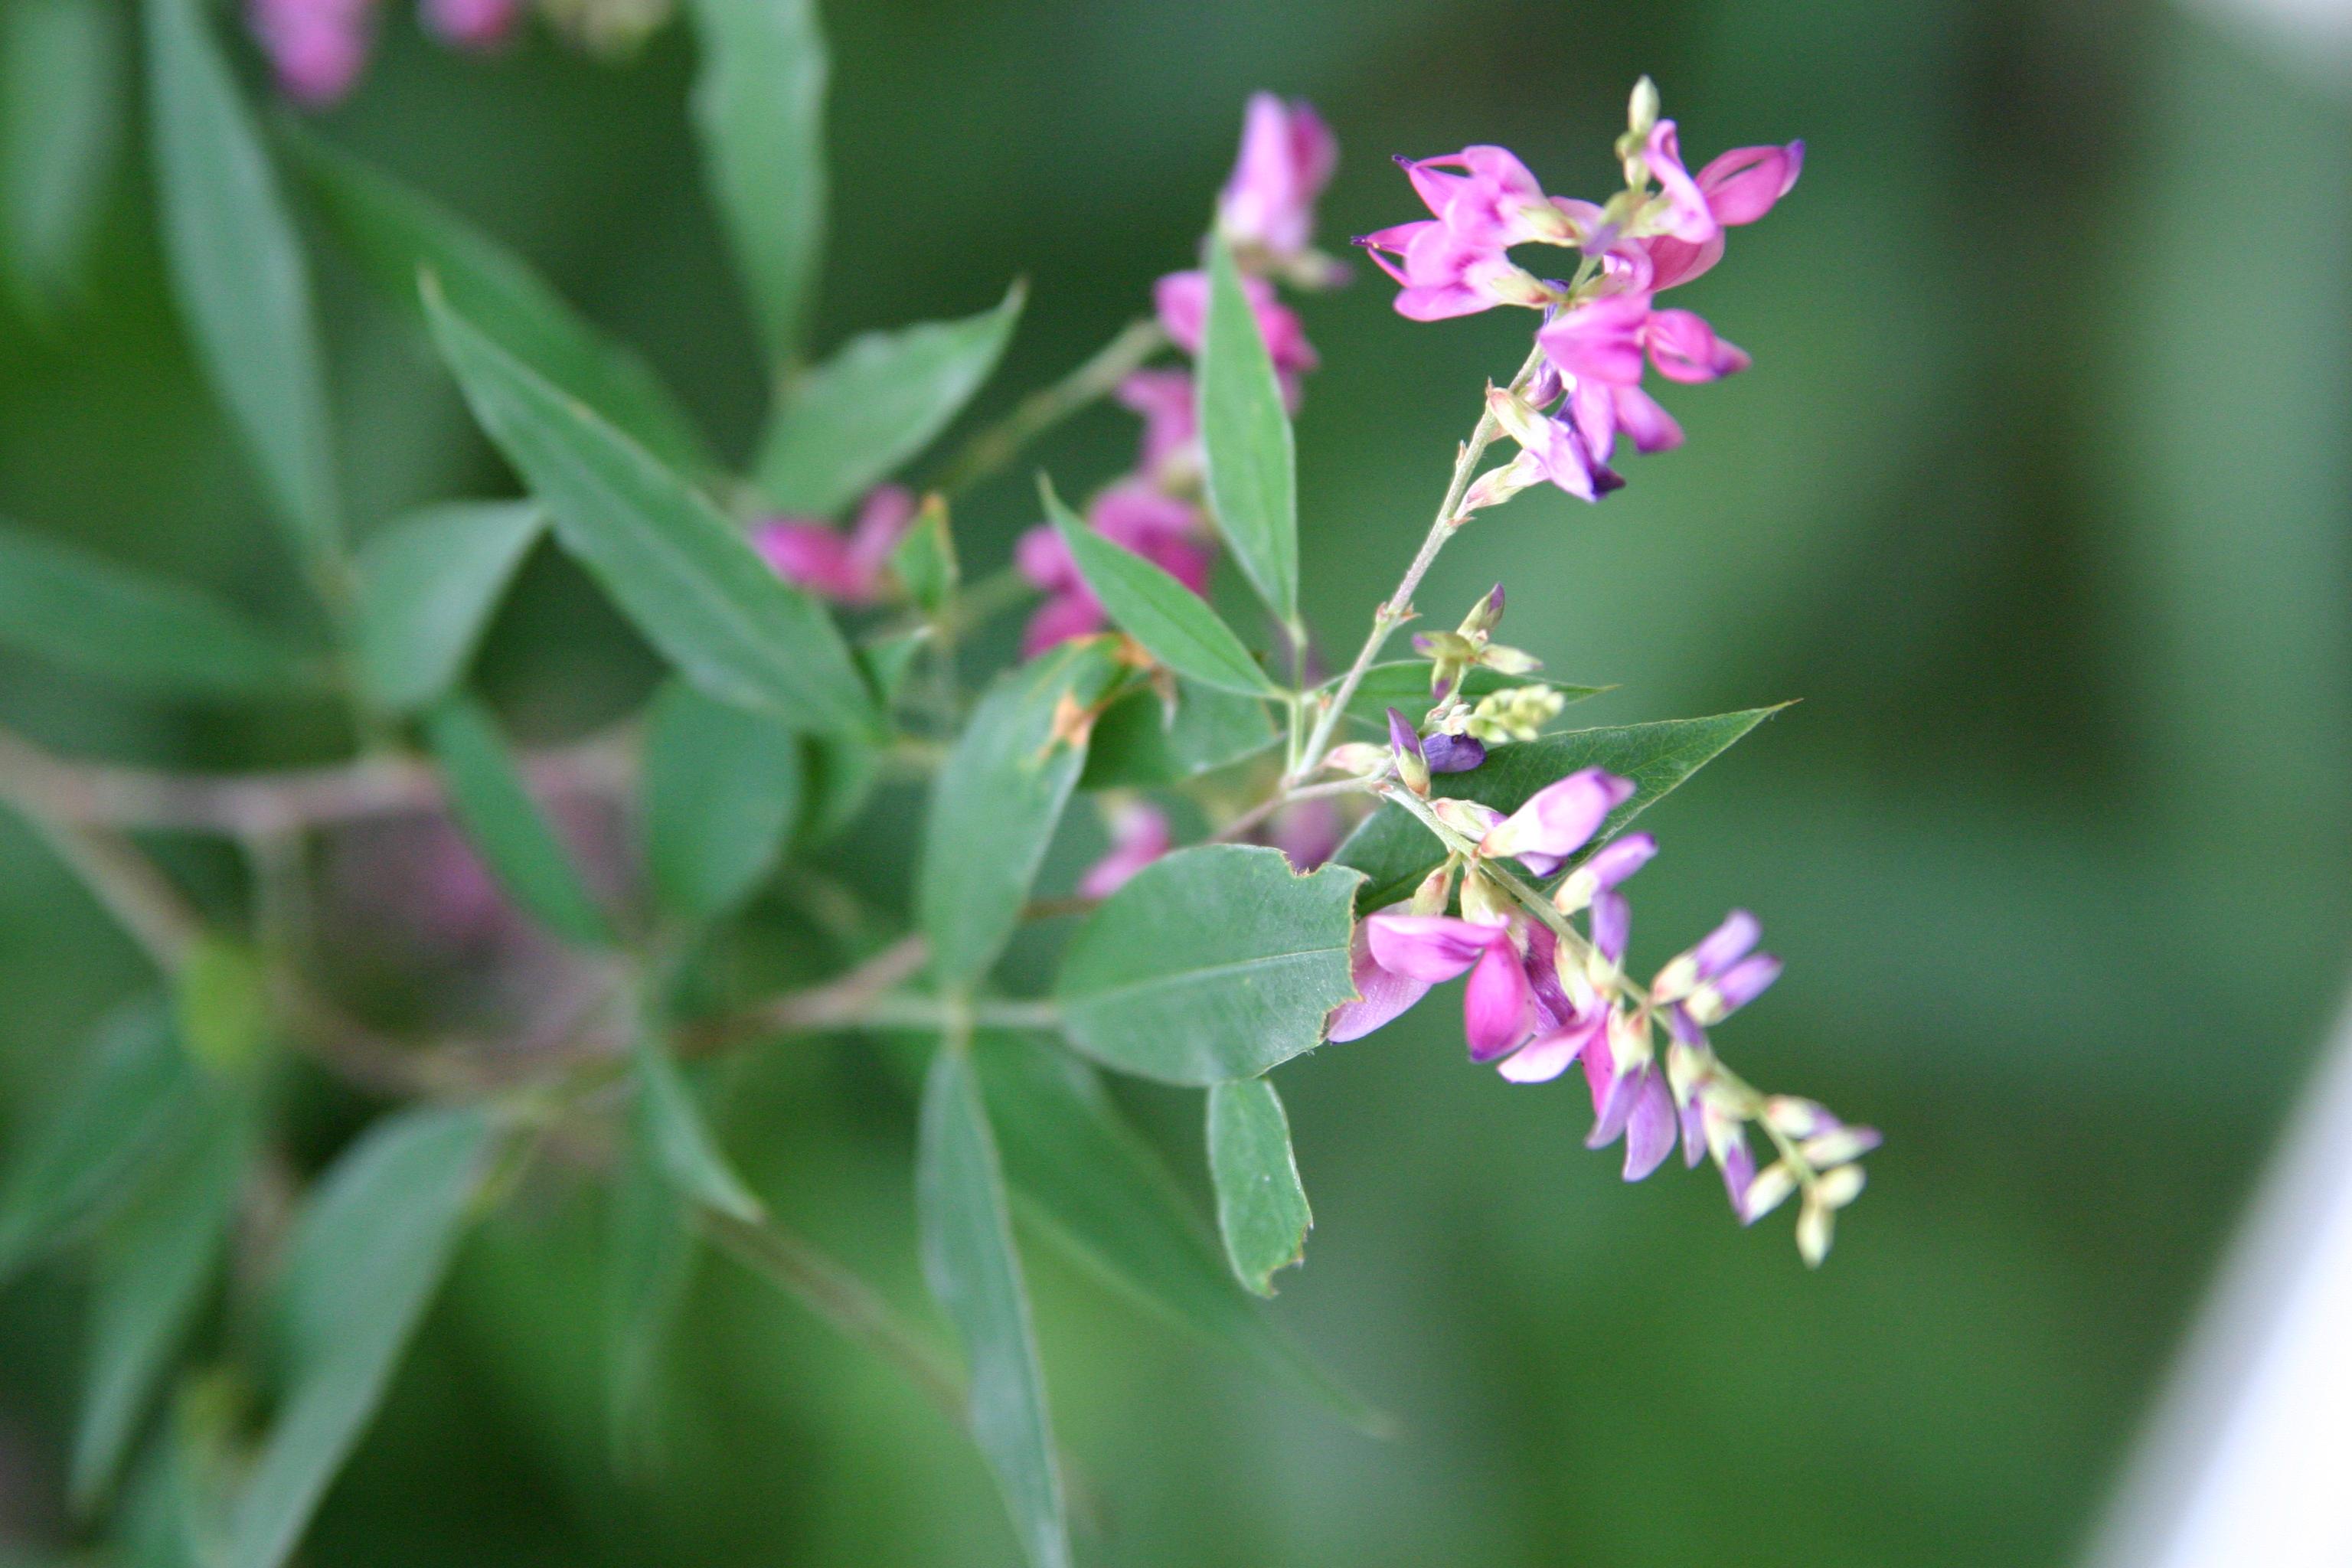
[1247, 444]
[722, 791]
[689, 1155]
[428, 584]
[1260, 1207]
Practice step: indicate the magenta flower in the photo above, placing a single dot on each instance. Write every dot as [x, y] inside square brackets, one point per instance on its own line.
[1550, 451]
[1446, 275]
[1286, 158]
[316, 47]
[1494, 203]
[1307, 832]
[1139, 835]
[471, 24]
[1155, 525]
[1737, 188]
[1558, 820]
[847, 568]
[1170, 419]
[1499, 1009]
[1181, 299]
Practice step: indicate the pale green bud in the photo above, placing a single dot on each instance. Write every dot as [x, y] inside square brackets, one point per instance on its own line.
[1641, 110]
[1361, 759]
[1816, 1226]
[1840, 1187]
[1466, 817]
[1768, 1191]
[1838, 1147]
[1514, 713]
[1430, 898]
[1484, 903]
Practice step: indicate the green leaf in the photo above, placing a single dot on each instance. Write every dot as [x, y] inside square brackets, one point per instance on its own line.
[682, 573]
[722, 791]
[1403, 684]
[61, 80]
[1143, 739]
[996, 802]
[758, 108]
[842, 771]
[427, 585]
[80, 610]
[505, 824]
[1246, 442]
[237, 270]
[1215, 963]
[365, 1257]
[153, 1269]
[1081, 1173]
[1394, 852]
[397, 234]
[689, 1155]
[853, 419]
[134, 1093]
[647, 1271]
[1261, 1208]
[969, 1259]
[1174, 625]
[925, 559]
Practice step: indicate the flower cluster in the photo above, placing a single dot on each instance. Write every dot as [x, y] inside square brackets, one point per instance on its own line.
[1599, 327]
[319, 48]
[1266, 214]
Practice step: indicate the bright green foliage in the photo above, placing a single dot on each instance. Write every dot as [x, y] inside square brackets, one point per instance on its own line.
[1394, 852]
[239, 272]
[507, 825]
[365, 1257]
[996, 802]
[1261, 1208]
[722, 793]
[1247, 444]
[970, 1262]
[675, 567]
[428, 584]
[1216, 963]
[879, 400]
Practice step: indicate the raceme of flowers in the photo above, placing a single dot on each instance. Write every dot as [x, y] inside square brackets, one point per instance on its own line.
[318, 49]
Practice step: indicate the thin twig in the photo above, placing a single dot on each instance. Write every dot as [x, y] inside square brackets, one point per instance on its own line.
[141, 899]
[847, 999]
[1255, 816]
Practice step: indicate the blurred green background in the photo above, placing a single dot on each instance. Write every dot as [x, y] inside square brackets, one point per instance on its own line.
[2037, 495]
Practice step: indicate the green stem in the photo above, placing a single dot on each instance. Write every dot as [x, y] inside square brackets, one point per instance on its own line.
[1097, 378]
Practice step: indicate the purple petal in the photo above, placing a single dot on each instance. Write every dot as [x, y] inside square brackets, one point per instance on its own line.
[1726, 945]
[1650, 1129]
[1453, 753]
[1547, 1056]
[1385, 993]
[1612, 920]
[1497, 1010]
[1613, 862]
[1429, 948]
[1747, 980]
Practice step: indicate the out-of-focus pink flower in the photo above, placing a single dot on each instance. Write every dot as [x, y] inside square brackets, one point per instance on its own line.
[1307, 832]
[1170, 418]
[1139, 835]
[316, 47]
[847, 568]
[1181, 299]
[1286, 158]
[1716, 978]
[1599, 339]
[1444, 275]
[471, 24]
[1155, 525]
[1684, 348]
[1739, 187]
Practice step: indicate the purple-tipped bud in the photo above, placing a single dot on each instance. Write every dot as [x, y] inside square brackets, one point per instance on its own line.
[1485, 616]
[1613, 920]
[1412, 766]
[1726, 944]
[1558, 820]
[1453, 753]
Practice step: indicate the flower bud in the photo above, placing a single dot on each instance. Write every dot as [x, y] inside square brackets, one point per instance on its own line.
[1498, 485]
[1767, 1191]
[1361, 759]
[1411, 767]
[1641, 108]
[1430, 898]
[1485, 615]
[1504, 660]
[1838, 1147]
[1466, 817]
[1840, 1187]
[1816, 1226]
[1450, 753]
[1794, 1118]
[1483, 903]
[1514, 713]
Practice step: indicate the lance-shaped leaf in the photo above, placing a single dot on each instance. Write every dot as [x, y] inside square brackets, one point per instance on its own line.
[1246, 442]
[758, 108]
[428, 584]
[689, 1155]
[80, 610]
[997, 800]
[367, 1253]
[505, 825]
[1080, 1173]
[1403, 684]
[1394, 852]
[879, 401]
[925, 559]
[398, 235]
[1261, 1208]
[1215, 963]
[1142, 739]
[237, 270]
[968, 1260]
[684, 575]
[722, 791]
[133, 1094]
[648, 1267]
[1174, 625]
[154, 1267]
[61, 115]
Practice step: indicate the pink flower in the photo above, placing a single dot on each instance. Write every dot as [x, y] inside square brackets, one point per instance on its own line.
[1498, 1010]
[1558, 820]
[847, 568]
[1182, 302]
[1737, 188]
[1597, 347]
[1716, 978]
[472, 23]
[1155, 525]
[1496, 203]
[317, 48]
[1170, 419]
[1286, 158]
[1446, 275]
[1139, 835]
[1307, 832]
[1686, 214]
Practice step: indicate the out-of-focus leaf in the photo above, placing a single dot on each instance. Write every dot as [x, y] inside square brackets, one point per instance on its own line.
[681, 571]
[886, 662]
[874, 403]
[133, 1094]
[841, 772]
[759, 107]
[1174, 625]
[61, 115]
[85, 612]
[925, 559]
[238, 271]
[1215, 963]
[221, 1003]
[1403, 684]
[997, 800]
[1141, 740]
[722, 791]
[176, 1512]
[969, 1259]
[506, 825]
[1261, 1208]
[689, 1155]
[1246, 442]
[427, 585]
[647, 1269]
[398, 234]
[153, 1268]
[365, 1257]
[1082, 1173]
[1395, 852]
